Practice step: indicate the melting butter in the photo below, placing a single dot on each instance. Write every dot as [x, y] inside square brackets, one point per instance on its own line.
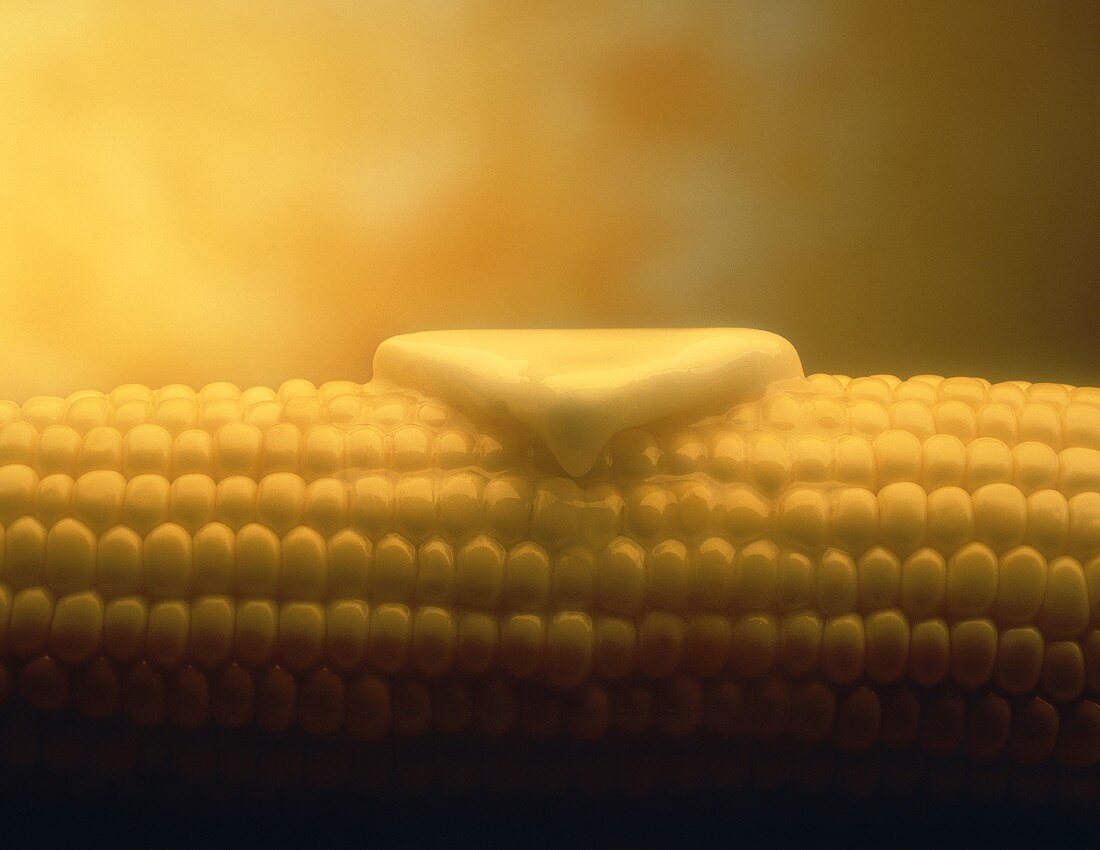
[576, 389]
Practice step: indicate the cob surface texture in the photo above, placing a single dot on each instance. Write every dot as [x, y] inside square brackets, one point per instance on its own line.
[834, 562]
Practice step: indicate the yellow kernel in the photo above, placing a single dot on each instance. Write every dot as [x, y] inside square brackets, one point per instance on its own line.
[97, 691]
[855, 462]
[76, 633]
[175, 414]
[146, 502]
[366, 448]
[998, 421]
[507, 508]
[661, 639]
[233, 697]
[372, 504]
[1035, 467]
[326, 505]
[167, 632]
[799, 642]
[281, 449]
[811, 458]
[17, 490]
[923, 583]
[477, 642]
[322, 452]
[88, 412]
[1084, 525]
[1079, 471]
[143, 695]
[1019, 660]
[988, 461]
[746, 515]
[192, 453]
[573, 579]
[929, 653]
[255, 630]
[146, 448]
[279, 499]
[58, 446]
[24, 553]
[53, 498]
[17, 443]
[913, 416]
[854, 520]
[124, 627]
[950, 519]
[944, 461]
[843, 648]
[1021, 586]
[1080, 425]
[971, 581]
[757, 575]
[237, 450]
[754, 643]
[460, 504]
[305, 567]
[412, 448]
[903, 514]
[1065, 609]
[211, 638]
[321, 707]
[707, 643]
[879, 572]
[873, 388]
[480, 573]
[803, 518]
[435, 572]
[973, 652]
[837, 583]
[1047, 522]
[1063, 675]
[716, 574]
[728, 458]
[347, 626]
[191, 501]
[415, 506]
[770, 465]
[70, 557]
[1009, 393]
[887, 636]
[522, 637]
[166, 556]
[389, 637]
[1000, 516]
[235, 501]
[434, 637]
[276, 699]
[370, 712]
[98, 498]
[258, 561]
[452, 450]
[44, 684]
[667, 577]
[897, 456]
[616, 647]
[349, 565]
[100, 450]
[956, 418]
[568, 659]
[868, 417]
[118, 562]
[301, 638]
[795, 581]
[620, 577]
[1041, 423]
[189, 699]
[214, 551]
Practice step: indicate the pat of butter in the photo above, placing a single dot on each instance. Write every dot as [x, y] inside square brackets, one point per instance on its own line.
[576, 389]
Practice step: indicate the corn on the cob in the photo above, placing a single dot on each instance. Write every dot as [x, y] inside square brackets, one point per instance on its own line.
[686, 536]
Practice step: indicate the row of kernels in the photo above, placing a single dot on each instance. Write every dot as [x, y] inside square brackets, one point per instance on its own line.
[929, 389]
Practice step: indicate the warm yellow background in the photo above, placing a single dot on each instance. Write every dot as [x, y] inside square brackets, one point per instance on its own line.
[248, 191]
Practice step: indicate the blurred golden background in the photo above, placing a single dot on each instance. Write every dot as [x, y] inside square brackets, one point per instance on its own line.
[251, 191]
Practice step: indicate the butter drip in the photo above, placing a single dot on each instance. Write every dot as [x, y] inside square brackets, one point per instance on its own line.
[576, 389]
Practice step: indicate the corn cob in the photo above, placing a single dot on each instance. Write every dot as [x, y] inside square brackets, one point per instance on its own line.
[629, 532]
